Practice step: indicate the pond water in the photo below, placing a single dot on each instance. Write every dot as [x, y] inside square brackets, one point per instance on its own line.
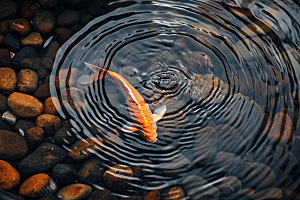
[228, 73]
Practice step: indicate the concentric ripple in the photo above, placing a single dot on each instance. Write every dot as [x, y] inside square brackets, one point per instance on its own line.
[230, 65]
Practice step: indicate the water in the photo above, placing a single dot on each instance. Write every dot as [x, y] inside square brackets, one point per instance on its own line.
[230, 65]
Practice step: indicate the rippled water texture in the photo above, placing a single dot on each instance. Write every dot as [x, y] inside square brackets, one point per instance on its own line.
[227, 71]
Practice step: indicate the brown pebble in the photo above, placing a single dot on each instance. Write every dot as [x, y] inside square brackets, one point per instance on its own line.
[5, 60]
[118, 176]
[9, 176]
[32, 186]
[294, 195]
[75, 191]
[27, 9]
[269, 193]
[67, 77]
[43, 21]
[86, 19]
[24, 106]
[27, 81]
[49, 4]
[4, 27]
[152, 195]
[19, 26]
[175, 193]
[12, 146]
[75, 28]
[52, 106]
[34, 136]
[43, 91]
[34, 39]
[8, 80]
[281, 130]
[49, 123]
[1, 38]
[62, 35]
[22, 126]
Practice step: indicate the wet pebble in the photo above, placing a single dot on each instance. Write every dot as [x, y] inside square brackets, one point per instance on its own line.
[230, 164]
[62, 35]
[91, 171]
[19, 26]
[197, 188]
[118, 176]
[152, 195]
[24, 106]
[5, 60]
[8, 80]
[4, 27]
[33, 39]
[5, 126]
[86, 19]
[52, 106]
[43, 91]
[103, 194]
[131, 74]
[9, 176]
[26, 58]
[25, 9]
[65, 173]
[52, 186]
[175, 193]
[9, 118]
[43, 21]
[95, 9]
[64, 135]
[27, 81]
[3, 103]
[13, 146]
[175, 166]
[80, 150]
[45, 156]
[68, 18]
[49, 123]
[33, 186]
[282, 130]
[49, 4]
[76, 191]
[205, 146]
[11, 42]
[22, 126]
[8, 8]
[229, 185]
[67, 76]
[269, 193]
[48, 197]
[34, 137]
[256, 175]
[1, 38]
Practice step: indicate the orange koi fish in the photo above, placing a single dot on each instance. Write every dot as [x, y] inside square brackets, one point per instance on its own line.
[138, 108]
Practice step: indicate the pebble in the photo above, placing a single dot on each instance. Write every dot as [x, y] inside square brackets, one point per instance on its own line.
[175, 193]
[205, 146]
[43, 91]
[132, 75]
[34, 39]
[256, 175]
[9, 118]
[26, 58]
[51, 197]
[33, 186]
[230, 140]
[95, 9]
[27, 81]
[1, 38]
[24, 106]
[75, 28]
[7, 8]
[65, 173]
[269, 193]
[8, 80]
[67, 76]
[52, 186]
[91, 171]
[19, 26]
[49, 4]
[80, 150]
[43, 21]
[86, 19]
[68, 18]
[49, 123]
[129, 198]
[25, 9]
[76, 191]
[230, 164]
[229, 185]
[3, 103]
[45, 156]
[5, 126]
[9, 176]
[34, 137]
[281, 130]
[152, 195]
[13, 146]
[52, 106]
[197, 188]
[11, 42]
[5, 60]
[22, 126]
[4, 27]
[118, 176]
[63, 135]
[176, 166]
[62, 35]
[103, 194]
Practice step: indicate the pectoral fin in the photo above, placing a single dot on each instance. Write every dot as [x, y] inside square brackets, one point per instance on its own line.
[159, 113]
[129, 129]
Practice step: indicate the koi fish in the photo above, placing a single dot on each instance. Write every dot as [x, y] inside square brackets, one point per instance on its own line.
[138, 108]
